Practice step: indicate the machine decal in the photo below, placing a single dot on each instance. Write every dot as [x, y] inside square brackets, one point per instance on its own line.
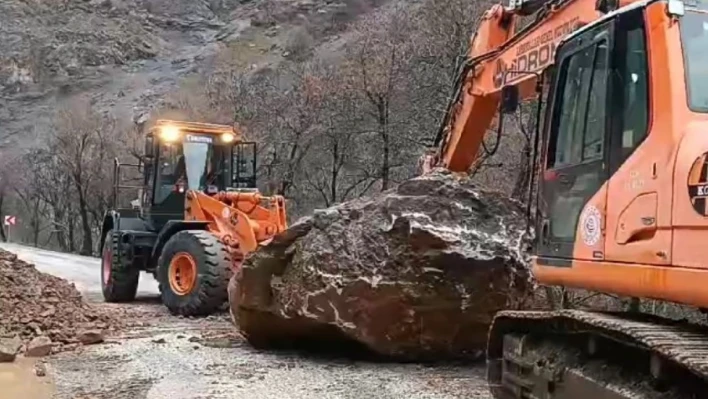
[194, 138]
[636, 181]
[534, 54]
[590, 222]
[698, 184]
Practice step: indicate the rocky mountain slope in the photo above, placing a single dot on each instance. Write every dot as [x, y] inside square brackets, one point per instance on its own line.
[126, 55]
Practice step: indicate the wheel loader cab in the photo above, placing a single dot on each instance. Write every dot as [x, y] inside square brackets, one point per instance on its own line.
[189, 229]
[181, 158]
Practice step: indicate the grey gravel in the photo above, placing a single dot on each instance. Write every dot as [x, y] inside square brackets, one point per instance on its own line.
[220, 364]
[225, 366]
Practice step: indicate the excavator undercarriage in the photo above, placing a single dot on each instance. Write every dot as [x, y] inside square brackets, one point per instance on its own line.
[581, 354]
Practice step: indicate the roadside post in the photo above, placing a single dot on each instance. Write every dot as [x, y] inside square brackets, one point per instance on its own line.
[9, 222]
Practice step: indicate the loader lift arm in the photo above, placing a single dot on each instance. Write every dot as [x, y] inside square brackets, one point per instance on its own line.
[501, 58]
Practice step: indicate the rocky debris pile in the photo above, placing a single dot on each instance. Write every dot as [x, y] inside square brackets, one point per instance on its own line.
[42, 314]
[415, 273]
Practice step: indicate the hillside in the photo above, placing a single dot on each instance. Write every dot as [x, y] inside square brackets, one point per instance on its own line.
[342, 97]
[126, 55]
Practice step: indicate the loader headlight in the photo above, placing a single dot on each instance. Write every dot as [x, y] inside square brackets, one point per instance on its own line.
[169, 133]
[228, 137]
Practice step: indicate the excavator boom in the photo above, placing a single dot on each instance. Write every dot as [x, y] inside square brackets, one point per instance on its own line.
[500, 57]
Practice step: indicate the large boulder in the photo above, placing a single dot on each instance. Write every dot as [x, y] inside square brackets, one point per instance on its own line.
[416, 273]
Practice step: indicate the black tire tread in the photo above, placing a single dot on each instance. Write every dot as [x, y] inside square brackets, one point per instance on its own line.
[123, 286]
[211, 291]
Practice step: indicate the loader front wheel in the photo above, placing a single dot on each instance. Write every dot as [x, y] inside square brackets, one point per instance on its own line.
[193, 273]
[119, 280]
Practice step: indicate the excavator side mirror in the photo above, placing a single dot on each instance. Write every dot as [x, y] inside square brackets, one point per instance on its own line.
[510, 99]
[606, 6]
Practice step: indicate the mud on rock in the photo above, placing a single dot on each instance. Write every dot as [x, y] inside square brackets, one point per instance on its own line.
[417, 272]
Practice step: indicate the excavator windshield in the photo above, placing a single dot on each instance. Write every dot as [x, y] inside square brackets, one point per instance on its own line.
[694, 37]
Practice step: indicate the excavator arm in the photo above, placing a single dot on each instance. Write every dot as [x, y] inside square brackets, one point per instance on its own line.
[499, 58]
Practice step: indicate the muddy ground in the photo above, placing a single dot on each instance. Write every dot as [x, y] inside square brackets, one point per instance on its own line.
[163, 356]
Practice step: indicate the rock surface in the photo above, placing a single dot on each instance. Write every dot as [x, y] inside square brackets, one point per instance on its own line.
[9, 348]
[417, 272]
[40, 370]
[127, 56]
[91, 337]
[35, 304]
[39, 347]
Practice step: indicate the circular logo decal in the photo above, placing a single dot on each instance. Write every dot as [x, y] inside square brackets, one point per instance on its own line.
[591, 225]
[698, 184]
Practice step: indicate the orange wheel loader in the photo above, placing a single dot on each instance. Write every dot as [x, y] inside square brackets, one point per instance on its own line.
[198, 213]
[620, 188]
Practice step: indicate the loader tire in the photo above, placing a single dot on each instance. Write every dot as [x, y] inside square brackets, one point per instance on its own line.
[119, 280]
[193, 273]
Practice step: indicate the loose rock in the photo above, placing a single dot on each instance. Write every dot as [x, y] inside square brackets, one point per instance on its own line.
[39, 347]
[417, 272]
[40, 369]
[9, 348]
[34, 304]
[91, 337]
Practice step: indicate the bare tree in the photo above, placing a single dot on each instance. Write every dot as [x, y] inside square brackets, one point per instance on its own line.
[376, 68]
[29, 192]
[82, 144]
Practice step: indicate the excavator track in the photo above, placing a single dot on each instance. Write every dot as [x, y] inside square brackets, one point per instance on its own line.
[575, 354]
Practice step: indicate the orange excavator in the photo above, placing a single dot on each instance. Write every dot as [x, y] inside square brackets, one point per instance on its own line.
[199, 213]
[619, 187]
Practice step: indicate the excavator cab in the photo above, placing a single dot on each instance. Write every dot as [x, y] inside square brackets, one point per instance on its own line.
[621, 201]
[626, 115]
[199, 212]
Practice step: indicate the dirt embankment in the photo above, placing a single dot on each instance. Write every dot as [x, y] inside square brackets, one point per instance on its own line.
[42, 314]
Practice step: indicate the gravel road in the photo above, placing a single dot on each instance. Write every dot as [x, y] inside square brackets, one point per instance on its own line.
[163, 356]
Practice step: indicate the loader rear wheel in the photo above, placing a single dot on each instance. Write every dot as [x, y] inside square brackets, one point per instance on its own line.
[193, 273]
[119, 280]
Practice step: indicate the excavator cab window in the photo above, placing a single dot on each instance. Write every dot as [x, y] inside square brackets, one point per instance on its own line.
[577, 137]
[631, 94]
[694, 37]
[580, 132]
